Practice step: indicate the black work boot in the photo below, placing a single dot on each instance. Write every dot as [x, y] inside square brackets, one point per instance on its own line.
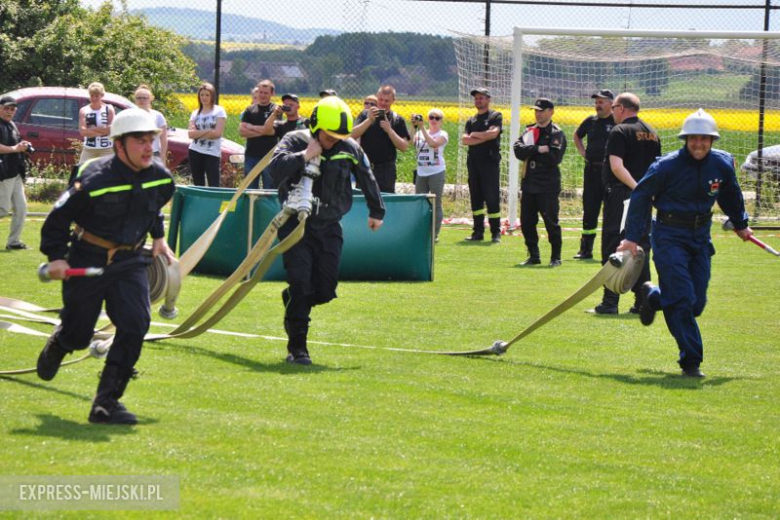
[586, 247]
[495, 230]
[298, 352]
[533, 256]
[478, 234]
[609, 303]
[555, 256]
[106, 408]
[50, 359]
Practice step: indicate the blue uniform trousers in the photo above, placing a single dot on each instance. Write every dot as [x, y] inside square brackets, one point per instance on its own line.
[124, 287]
[683, 260]
[312, 267]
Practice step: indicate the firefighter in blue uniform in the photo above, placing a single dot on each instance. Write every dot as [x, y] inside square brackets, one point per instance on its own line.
[115, 203]
[328, 155]
[683, 186]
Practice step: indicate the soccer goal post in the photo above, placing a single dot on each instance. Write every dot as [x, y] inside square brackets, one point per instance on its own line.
[733, 75]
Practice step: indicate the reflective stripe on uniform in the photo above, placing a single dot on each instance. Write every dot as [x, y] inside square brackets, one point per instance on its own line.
[81, 168]
[588, 231]
[159, 182]
[128, 187]
[479, 212]
[494, 215]
[111, 189]
[342, 156]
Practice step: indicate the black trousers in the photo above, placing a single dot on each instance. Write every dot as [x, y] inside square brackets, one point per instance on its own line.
[312, 267]
[484, 175]
[204, 167]
[592, 196]
[611, 236]
[124, 287]
[548, 206]
[385, 174]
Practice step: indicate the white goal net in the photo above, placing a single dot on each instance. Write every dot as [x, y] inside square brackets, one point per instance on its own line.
[734, 76]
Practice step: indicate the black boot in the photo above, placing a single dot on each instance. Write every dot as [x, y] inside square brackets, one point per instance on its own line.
[609, 303]
[50, 359]
[533, 256]
[479, 229]
[495, 230]
[586, 247]
[106, 408]
[298, 352]
[555, 257]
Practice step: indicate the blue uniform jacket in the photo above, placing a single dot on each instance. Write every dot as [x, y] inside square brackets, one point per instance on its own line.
[680, 184]
[109, 200]
[333, 187]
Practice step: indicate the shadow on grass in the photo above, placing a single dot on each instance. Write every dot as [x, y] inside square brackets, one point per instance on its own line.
[280, 367]
[53, 426]
[647, 377]
[45, 387]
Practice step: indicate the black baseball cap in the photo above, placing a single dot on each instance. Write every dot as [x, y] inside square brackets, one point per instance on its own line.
[543, 103]
[8, 101]
[328, 92]
[291, 96]
[607, 94]
[481, 90]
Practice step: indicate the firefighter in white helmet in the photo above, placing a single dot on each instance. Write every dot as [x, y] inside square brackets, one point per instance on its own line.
[683, 186]
[114, 203]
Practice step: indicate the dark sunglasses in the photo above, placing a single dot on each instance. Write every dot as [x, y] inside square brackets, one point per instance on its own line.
[369, 104]
[434, 118]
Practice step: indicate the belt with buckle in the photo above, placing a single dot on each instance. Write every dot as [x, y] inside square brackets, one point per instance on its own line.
[111, 247]
[684, 221]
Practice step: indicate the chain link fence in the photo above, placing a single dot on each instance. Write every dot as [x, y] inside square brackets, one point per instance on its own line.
[303, 46]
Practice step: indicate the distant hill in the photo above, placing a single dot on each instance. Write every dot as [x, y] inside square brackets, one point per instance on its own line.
[200, 25]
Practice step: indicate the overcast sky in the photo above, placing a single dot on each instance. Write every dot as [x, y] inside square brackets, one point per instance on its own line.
[442, 17]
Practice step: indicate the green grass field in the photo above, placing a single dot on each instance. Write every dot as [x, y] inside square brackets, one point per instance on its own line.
[585, 418]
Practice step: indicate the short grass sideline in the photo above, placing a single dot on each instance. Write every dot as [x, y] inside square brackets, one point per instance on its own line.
[585, 418]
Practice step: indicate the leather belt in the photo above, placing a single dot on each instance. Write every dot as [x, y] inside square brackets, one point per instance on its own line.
[111, 247]
[684, 221]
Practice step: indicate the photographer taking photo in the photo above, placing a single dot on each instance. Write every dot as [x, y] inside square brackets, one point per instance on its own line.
[12, 171]
[430, 143]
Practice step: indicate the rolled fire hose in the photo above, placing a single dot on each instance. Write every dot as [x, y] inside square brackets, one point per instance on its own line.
[165, 281]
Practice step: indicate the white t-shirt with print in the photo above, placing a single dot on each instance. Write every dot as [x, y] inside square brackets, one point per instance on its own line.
[430, 161]
[204, 121]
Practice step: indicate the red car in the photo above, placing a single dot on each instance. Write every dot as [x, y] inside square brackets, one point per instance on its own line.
[48, 117]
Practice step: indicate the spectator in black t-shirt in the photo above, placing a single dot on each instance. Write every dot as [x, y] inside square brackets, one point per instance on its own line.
[382, 137]
[257, 126]
[294, 121]
[482, 136]
[595, 129]
[632, 147]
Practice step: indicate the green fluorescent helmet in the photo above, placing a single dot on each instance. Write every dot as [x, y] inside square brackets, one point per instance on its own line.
[332, 116]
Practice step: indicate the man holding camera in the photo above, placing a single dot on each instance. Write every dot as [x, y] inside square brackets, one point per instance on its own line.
[257, 127]
[293, 120]
[382, 133]
[12, 172]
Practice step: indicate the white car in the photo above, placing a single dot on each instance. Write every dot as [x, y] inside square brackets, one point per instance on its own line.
[770, 161]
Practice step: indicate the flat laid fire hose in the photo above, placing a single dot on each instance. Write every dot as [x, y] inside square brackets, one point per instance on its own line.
[165, 281]
[619, 275]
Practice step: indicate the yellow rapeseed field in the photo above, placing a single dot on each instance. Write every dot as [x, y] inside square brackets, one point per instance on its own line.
[667, 118]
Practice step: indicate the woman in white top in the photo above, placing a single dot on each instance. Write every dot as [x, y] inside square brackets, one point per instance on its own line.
[430, 145]
[95, 124]
[207, 125]
[143, 98]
